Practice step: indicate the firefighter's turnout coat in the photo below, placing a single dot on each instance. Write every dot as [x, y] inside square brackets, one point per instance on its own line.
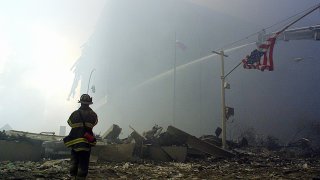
[75, 139]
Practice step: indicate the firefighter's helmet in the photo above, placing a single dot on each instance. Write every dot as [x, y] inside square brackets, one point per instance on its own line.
[85, 99]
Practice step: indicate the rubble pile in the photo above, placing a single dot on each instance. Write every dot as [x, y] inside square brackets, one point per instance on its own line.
[154, 154]
[246, 165]
[171, 145]
[50, 169]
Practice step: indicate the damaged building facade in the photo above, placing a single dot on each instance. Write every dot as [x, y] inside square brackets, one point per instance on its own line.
[129, 64]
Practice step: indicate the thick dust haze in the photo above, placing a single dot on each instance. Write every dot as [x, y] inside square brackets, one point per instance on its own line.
[131, 47]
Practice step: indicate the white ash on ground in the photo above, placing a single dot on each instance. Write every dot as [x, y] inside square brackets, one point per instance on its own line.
[247, 165]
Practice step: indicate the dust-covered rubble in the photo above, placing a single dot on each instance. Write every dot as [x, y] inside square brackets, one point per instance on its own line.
[248, 164]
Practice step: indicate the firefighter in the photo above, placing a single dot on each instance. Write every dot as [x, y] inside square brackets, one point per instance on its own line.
[81, 137]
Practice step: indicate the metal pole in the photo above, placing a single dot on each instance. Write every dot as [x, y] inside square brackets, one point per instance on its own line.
[174, 79]
[223, 102]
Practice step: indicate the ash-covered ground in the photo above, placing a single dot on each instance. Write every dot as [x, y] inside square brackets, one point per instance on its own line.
[257, 163]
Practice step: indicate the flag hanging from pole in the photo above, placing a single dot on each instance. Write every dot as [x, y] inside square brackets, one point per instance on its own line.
[262, 57]
[181, 45]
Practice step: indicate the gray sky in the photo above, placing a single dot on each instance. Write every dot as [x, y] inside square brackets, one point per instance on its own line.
[40, 41]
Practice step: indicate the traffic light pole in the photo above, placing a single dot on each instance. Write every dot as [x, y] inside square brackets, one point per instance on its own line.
[223, 100]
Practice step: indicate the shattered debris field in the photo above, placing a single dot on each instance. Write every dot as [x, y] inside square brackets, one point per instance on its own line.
[173, 154]
[265, 165]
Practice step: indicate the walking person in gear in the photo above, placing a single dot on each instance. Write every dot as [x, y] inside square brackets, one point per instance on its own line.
[81, 138]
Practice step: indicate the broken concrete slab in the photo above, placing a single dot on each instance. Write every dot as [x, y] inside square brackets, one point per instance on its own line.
[42, 137]
[139, 141]
[218, 142]
[194, 153]
[114, 152]
[301, 143]
[153, 133]
[55, 150]
[167, 153]
[211, 139]
[137, 138]
[177, 153]
[102, 151]
[112, 133]
[208, 148]
[196, 143]
[20, 150]
[158, 154]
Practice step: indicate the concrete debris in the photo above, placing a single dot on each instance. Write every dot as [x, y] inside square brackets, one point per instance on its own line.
[211, 139]
[158, 154]
[30, 150]
[114, 152]
[153, 133]
[171, 145]
[173, 154]
[198, 144]
[176, 153]
[167, 153]
[217, 141]
[55, 150]
[252, 165]
[152, 145]
[3, 135]
[112, 134]
[19, 148]
[301, 143]
[54, 169]
[244, 142]
[272, 143]
[138, 138]
[42, 136]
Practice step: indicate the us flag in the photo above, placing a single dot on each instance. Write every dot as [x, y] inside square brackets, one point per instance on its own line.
[181, 45]
[262, 57]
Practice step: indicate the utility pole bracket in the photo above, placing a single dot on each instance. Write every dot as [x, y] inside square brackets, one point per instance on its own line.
[219, 53]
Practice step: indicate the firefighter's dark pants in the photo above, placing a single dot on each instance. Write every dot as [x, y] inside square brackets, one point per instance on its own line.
[79, 163]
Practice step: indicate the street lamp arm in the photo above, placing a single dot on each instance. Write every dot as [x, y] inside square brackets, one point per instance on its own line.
[219, 53]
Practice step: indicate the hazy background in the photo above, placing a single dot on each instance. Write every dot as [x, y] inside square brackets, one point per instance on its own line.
[131, 44]
[39, 42]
